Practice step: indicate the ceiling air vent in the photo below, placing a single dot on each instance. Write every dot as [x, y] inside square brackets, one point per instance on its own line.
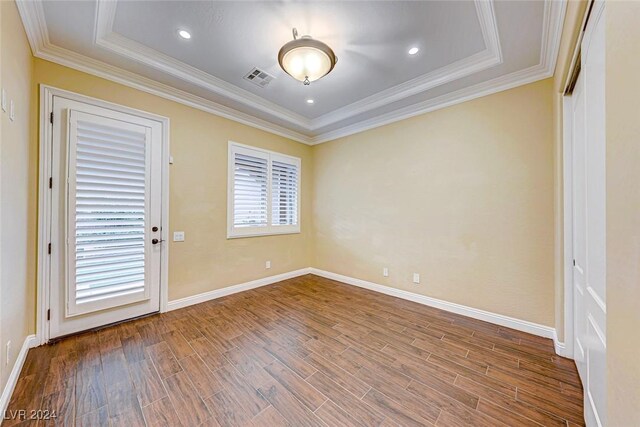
[259, 77]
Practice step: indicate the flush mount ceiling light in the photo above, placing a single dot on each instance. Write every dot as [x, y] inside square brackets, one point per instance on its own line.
[413, 50]
[306, 59]
[184, 34]
[310, 101]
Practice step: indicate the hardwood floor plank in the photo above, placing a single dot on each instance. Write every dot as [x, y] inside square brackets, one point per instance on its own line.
[355, 407]
[147, 382]
[227, 411]
[202, 378]
[343, 378]
[297, 386]
[164, 359]
[91, 393]
[394, 410]
[269, 417]
[510, 404]
[161, 413]
[185, 399]
[124, 408]
[210, 356]
[288, 406]
[236, 385]
[178, 344]
[97, 418]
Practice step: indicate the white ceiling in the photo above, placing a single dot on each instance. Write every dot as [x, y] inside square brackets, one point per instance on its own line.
[467, 49]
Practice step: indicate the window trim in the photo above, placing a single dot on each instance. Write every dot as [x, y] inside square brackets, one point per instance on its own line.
[269, 229]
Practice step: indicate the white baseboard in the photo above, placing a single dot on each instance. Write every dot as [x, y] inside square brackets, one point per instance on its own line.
[487, 316]
[561, 349]
[29, 342]
[219, 293]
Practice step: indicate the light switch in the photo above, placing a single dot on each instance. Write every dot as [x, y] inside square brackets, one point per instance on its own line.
[4, 100]
[12, 111]
[178, 236]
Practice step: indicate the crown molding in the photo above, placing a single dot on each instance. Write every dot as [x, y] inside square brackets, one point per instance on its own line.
[32, 16]
[487, 58]
[33, 19]
[554, 12]
[105, 37]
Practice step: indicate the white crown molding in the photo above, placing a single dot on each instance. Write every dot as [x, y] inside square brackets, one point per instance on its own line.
[554, 12]
[485, 59]
[32, 15]
[105, 37]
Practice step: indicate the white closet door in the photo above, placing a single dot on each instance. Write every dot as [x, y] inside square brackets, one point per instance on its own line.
[108, 217]
[589, 219]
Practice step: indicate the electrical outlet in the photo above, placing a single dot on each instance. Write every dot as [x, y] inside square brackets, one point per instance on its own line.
[178, 236]
[416, 278]
[267, 264]
[12, 111]
[6, 360]
[385, 272]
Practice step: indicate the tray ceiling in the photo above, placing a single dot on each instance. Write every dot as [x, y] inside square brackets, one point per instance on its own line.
[467, 49]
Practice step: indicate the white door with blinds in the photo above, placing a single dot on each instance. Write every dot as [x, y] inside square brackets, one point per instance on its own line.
[106, 217]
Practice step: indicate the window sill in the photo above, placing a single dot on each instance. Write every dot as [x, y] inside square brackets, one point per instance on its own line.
[264, 234]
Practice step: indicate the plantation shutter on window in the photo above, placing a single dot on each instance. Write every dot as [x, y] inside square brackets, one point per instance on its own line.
[284, 195]
[250, 177]
[263, 192]
[108, 182]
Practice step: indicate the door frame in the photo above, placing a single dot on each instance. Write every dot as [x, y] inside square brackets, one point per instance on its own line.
[45, 203]
[567, 191]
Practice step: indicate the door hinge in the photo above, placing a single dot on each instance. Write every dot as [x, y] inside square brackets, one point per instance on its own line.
[49, 314]
[574, 262]
[51, 117]
[49, 249]
[50, 182]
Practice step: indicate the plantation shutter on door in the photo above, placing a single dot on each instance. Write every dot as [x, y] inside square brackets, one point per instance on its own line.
[284, 193]
[108, 205]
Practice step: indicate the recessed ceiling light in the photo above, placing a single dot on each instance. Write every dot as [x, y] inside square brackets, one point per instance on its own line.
[310, 101]
[413, 50]
[184, 34]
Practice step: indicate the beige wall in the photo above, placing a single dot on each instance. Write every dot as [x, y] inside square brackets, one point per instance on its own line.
[198, 189]
[18, 195]
[623, 212]
[463, 196]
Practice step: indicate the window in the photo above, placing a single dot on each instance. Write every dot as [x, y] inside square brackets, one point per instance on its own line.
[263, 192]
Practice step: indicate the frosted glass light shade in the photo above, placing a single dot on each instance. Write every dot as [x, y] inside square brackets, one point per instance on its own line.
[306, 59]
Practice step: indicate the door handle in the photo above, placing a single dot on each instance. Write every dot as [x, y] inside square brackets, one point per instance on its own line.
[156, 241]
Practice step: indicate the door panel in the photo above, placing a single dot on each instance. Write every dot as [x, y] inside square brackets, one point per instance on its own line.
[105, 268]
[589, 198]
[579, 223]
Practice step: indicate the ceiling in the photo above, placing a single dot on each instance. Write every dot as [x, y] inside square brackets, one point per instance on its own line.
[467, 49]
